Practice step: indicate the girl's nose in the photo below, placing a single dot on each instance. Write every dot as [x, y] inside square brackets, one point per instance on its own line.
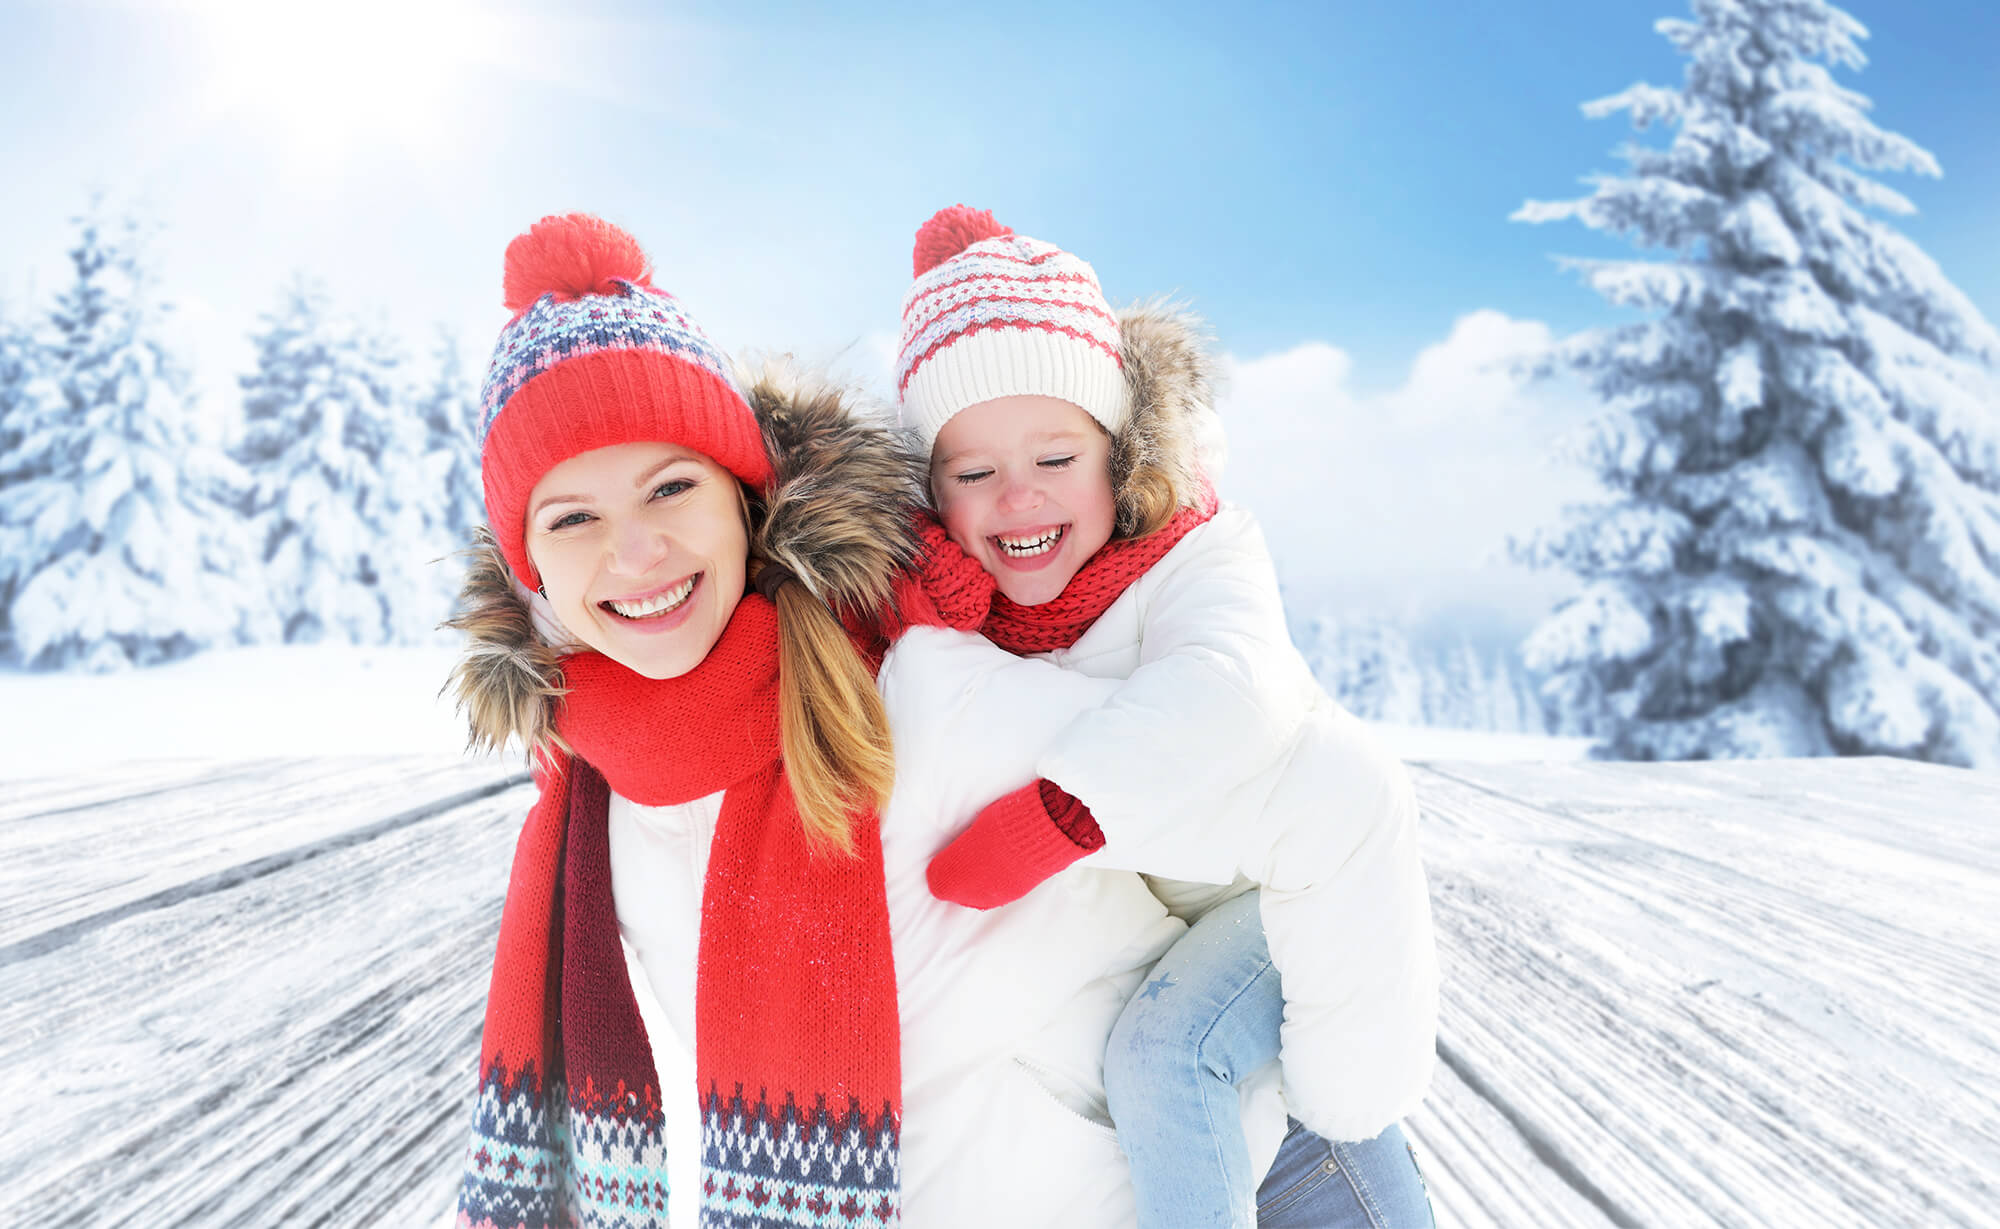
[1019, 495]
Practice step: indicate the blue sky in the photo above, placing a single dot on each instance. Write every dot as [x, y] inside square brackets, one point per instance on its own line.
[1316, 175]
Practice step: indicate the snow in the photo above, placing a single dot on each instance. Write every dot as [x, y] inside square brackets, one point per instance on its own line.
[246, 703]
[327, 699]
[1730, 993]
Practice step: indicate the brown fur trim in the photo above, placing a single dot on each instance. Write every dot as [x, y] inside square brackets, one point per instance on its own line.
[836, 515]
[837, 512]
[1170, 378]
[509, 678]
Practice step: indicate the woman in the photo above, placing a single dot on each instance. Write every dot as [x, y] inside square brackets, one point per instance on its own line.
[713, 759]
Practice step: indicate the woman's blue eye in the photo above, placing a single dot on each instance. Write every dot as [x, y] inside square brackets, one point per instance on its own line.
[568, 520]
[667, 490]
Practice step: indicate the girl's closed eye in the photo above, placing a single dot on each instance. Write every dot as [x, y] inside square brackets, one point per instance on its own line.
[1056, 462]
[971, 476]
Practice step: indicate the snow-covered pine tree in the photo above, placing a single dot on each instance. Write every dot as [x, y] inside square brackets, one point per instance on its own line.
[333, 496]
[448, 409]
[112, 549]
[18, 367]
[1805, 555]
[1366, 664]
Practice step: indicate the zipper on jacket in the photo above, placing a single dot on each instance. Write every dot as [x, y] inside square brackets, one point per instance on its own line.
[1040, 1076]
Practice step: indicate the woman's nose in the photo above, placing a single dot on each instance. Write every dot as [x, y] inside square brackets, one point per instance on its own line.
[636, 548]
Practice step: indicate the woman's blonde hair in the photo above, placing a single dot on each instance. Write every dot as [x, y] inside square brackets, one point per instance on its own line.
[832, 726]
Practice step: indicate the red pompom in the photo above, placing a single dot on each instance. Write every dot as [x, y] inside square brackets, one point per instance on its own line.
[571, 255]
[951, 231]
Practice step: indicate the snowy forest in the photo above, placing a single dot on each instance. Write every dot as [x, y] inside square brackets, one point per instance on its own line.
[1797, 552]
[138, 527]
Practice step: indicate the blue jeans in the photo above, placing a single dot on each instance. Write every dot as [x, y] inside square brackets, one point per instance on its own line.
[1207, 1017]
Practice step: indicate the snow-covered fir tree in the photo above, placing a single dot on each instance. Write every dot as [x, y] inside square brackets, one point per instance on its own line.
[1803, 557]
[448, 409]
[335, 496]
[113, 551]
[18, 368]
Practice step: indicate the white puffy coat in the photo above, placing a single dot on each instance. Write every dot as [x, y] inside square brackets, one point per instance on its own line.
[1220, 762]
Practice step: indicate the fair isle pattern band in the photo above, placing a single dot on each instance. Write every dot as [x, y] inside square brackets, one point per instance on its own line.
[512, 1163]
[784, 1169]
[1009, 281]
[612, 1160]
[639, 318]
[618, 1163]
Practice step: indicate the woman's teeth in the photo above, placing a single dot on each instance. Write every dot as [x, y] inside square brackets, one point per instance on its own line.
[1026, 548]
[657, 604]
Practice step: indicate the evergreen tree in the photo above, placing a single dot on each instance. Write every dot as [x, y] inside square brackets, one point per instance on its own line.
[19, 364]
[333, 494]
[112, 551]
[449, 412]
[1804, 554]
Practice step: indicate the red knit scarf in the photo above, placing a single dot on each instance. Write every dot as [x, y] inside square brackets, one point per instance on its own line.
[796, 1027]
[957, 592]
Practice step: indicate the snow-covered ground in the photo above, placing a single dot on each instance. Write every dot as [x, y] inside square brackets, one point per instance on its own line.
[342, 700]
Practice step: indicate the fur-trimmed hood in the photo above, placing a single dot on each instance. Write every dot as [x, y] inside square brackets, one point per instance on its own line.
[836, 515]
[1170, 382]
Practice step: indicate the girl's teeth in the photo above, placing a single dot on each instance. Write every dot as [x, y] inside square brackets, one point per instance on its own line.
[1026, 548]
[659, 603]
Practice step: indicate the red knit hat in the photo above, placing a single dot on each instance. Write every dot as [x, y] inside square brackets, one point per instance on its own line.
[595, 356]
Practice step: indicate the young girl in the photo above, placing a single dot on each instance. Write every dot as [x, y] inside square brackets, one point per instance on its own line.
[1077, 525]
[723, 986]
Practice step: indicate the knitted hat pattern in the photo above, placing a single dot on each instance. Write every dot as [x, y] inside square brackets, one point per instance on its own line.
[996, 314]
[596, 355]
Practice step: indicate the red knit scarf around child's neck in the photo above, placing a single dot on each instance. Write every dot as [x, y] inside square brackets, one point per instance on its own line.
[962, 595]
[797, 1045]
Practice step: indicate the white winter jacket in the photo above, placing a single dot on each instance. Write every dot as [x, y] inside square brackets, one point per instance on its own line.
[1220, 763]
[1004, 1014]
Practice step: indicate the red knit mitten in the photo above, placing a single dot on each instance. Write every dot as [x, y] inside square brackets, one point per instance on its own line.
[1012, 845]
[945, 588]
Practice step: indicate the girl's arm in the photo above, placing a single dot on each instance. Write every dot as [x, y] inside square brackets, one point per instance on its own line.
[1218, 695]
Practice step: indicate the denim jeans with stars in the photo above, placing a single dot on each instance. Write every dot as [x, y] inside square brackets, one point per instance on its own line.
[1206, 1017]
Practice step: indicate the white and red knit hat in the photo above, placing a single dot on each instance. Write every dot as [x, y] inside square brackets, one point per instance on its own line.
[995, 314]
[594, 356]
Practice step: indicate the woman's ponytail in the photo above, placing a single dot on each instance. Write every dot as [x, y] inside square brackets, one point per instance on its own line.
[831, 721]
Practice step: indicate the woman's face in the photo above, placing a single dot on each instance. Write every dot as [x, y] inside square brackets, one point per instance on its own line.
[641, 549]
[1023, 485]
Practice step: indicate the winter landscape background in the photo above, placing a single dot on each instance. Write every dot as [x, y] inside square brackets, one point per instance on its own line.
[1663, 429]
[1737, 494]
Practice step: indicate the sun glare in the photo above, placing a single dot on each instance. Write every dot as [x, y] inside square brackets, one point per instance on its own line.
[325, 79]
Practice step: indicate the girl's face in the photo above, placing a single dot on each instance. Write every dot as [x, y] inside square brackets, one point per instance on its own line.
[1023, 485]
[642, 550]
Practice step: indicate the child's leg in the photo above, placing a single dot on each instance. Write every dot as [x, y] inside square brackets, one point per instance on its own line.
[1374, 1184]
[1206, 1017]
